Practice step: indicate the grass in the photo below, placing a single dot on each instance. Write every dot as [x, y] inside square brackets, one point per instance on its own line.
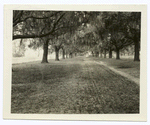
[71, 86]
[126, 65]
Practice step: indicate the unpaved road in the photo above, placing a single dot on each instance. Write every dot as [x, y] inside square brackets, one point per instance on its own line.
[74, 86]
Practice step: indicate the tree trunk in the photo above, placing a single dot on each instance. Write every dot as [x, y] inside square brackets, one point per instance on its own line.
[63, 54]
[97, 54]
[117, 54]
[105, 53]
[75, 54]
[45, 53]
[70, 55]
[56, 53]
[136, 51]
[110, 53]
[92, 53]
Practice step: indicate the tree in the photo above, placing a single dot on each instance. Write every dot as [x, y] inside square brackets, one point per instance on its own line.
[116, 24]
[45, 49]
[57, 44]
[119, 41]
[102, 32]
[44, 24]
[134, 32]
[35, 23]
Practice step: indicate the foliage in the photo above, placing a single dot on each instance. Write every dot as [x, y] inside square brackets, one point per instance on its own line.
[35, 43]
[89, 31]
[18, 48]
[35, 24]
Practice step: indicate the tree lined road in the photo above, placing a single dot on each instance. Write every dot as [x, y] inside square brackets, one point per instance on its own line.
[77, 85]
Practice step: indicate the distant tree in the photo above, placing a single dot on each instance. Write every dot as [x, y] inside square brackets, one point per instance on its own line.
[116, 24]
[102, 32]
[119, 41]
[57, 44]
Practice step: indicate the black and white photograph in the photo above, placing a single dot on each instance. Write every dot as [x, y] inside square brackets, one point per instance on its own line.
[75, 62]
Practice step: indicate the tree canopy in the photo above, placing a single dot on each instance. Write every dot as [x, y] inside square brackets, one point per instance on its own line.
[79, 30]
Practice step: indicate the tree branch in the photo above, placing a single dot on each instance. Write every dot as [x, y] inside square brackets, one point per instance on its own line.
[33, 17]
[40, 35]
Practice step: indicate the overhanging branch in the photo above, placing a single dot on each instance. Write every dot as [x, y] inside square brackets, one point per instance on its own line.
[33, 17]
[40, 35]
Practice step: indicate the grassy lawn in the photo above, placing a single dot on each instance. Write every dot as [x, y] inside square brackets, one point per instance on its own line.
[72, 86]
[28, 85]
[126, 65]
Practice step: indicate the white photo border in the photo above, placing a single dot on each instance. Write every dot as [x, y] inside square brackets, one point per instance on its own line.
[142, 116]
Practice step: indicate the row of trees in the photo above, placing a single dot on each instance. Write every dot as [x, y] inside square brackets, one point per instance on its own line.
[114, 31]
[54, 28]
[76, 31]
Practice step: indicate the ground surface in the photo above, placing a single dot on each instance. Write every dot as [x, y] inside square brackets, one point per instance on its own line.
[126, 65]
[77, 85]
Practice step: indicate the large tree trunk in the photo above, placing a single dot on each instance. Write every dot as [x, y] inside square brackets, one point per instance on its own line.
[117, 54]
[56, 53]
[45, 53]
[136, 51]
[105, 53]
[63, 51]
[110, 53]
